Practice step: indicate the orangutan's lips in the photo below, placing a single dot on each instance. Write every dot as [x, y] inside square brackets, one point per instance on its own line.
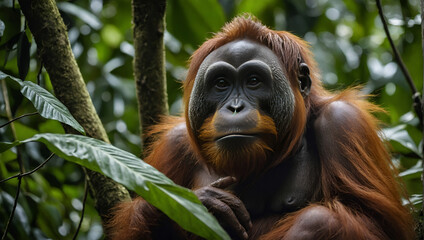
[235, 136]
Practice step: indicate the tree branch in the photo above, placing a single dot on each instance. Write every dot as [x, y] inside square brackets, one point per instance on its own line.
[84, 200]
[415, 93]
[17, 118]
[149, 61]
[12, 213]
[55, 52]
[30, 172]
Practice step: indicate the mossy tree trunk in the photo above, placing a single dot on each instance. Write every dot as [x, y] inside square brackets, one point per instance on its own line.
[149, 62]
[54, 49]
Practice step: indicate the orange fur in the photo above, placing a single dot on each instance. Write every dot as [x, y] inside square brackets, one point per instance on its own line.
[363, 180]
[357, 186]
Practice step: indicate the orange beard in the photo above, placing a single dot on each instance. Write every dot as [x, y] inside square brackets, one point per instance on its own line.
[242, 160]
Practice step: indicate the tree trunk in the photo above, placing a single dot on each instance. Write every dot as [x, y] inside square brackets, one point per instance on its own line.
[54, 49]
[149, 62]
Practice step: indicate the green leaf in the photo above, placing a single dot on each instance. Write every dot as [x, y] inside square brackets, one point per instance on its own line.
[413, 172]
[400, 135]
[4, 146]
[179, 203]
[4, 75]
[23, 55]
[415, 199]
[45, 103]
[48, 106]
[24, 131]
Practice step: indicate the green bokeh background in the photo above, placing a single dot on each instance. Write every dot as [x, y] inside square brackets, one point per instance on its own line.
[347, 39]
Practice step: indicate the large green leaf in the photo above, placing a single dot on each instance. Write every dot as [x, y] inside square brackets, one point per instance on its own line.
[179, 203]
[45, 103]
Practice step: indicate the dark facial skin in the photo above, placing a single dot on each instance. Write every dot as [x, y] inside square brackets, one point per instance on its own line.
[236, 79]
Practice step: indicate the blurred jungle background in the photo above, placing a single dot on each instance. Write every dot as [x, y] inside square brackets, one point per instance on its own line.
[347, 38]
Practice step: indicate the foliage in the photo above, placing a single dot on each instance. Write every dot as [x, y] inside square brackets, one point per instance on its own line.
[347, 38]
[45, 103]
[143, 179]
